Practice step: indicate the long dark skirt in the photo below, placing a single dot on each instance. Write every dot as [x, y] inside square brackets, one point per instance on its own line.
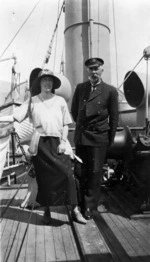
[56, 184]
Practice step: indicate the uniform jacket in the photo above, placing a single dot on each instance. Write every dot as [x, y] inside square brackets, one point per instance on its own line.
[95, 114]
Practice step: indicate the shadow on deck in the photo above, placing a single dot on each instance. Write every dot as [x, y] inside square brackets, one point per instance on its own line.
[118, 234]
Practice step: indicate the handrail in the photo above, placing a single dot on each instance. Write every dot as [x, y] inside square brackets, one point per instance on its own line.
[9, 104]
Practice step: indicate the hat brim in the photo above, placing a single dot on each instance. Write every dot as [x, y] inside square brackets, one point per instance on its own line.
[35, 87]
[98, 62]
[94, 65]
[33, 76]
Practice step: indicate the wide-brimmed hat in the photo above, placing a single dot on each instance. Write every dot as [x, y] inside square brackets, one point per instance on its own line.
[94, 62]
[35, 78]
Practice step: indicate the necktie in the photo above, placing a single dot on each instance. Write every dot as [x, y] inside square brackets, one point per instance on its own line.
[93, 88]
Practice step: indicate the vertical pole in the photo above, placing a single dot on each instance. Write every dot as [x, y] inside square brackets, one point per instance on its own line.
[13, 147]
[90, 33]
[8, 180]
[147, 113]
[8, 154]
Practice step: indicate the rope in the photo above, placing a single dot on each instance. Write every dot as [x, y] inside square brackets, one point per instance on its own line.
[62, 61]
[48, 54]
[19, 29]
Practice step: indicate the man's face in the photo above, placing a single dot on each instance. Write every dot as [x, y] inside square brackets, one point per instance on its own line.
[95, 73]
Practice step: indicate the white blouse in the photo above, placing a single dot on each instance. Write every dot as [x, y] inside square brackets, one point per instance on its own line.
[48, 117]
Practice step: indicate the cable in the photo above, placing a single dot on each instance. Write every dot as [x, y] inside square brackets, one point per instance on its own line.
[19, 29]
[62, 61]
[52, 39]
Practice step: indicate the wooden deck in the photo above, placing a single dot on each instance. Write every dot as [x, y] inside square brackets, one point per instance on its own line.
[119, 234]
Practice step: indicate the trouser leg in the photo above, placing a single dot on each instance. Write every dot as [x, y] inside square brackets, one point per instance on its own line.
[90, 174]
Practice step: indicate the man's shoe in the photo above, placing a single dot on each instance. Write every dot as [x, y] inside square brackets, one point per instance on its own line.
[77, 216]
[88, 214]
[101, 208]
[145, 206]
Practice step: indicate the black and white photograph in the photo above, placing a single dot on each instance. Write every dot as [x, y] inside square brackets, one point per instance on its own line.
[75, 130]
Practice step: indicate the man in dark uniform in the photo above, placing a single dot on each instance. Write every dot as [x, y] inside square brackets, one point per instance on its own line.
[95, 111]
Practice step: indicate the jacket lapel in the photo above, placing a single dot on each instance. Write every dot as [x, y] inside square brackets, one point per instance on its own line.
[87, 90]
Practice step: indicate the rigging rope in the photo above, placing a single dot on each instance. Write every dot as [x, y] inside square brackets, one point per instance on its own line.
[20, 29]
[46, 60]
[62, 70]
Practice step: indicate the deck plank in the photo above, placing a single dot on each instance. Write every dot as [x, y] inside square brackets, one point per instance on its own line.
[109, 236]
[40, 246]
[93, 244]
[119, 235]
[6, 239]
[138, 250]
[128, 232]
[50, 255]
[67, 235]
[30, 241]
[117, 251]
[139, 229]
[58, 239]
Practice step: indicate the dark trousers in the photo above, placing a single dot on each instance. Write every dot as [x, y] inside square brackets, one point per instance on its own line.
[89, 174]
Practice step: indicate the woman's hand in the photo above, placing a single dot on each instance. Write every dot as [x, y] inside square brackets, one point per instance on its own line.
[61, 148]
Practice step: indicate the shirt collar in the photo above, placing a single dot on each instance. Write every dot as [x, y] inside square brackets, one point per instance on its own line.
[96, 83]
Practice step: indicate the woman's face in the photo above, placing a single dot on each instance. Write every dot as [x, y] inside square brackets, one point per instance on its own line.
[46, 84]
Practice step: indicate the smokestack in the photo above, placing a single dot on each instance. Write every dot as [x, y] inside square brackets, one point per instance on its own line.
[87, 34]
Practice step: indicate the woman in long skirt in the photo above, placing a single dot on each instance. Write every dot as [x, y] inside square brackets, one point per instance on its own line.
[50, 117]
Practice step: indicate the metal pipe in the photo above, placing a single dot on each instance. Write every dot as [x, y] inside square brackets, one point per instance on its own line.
[9, 58]
[13, 148]
[147, 104]
[82, 23]
[90, 30]
[91, 38]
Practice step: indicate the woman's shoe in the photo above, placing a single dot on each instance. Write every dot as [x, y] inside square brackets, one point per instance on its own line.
[77, 216]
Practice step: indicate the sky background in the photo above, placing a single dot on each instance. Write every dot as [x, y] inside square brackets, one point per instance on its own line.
[132, 27]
